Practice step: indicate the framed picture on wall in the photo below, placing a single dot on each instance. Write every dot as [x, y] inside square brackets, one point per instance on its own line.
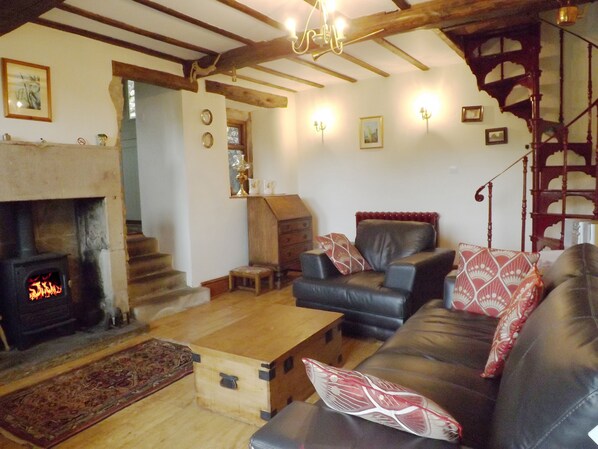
[371, 132]
[26, 90]
[497, 136]
[472, 114]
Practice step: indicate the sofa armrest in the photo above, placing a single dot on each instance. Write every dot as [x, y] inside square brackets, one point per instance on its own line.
[315, 264]
[302, 425]
[449, 287]
[422, 274]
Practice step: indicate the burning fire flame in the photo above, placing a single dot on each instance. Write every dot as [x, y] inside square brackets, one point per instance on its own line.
[41, 287]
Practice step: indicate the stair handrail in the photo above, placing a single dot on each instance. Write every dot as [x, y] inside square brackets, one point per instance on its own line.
[570, 32]
[478, 194]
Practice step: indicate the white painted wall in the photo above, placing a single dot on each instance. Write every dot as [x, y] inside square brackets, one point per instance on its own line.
[80, 71]
[415, 171]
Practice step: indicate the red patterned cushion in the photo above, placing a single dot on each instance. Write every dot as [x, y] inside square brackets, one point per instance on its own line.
[345, 257]
[381, 402]
[525, 300]
[487, 278]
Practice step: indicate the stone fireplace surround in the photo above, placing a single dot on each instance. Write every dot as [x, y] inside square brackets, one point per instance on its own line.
[77, 202]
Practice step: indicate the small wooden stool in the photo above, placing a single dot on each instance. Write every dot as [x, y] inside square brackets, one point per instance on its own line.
[3, 337]
[247, 273]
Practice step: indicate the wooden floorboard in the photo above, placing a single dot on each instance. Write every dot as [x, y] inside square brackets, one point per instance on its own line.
[170, 417]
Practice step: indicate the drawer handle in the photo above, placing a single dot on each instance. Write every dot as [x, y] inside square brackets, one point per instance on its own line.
[228, 381]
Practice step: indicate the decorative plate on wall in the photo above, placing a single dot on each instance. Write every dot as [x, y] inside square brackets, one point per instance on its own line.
[206, 117]
[207, 140]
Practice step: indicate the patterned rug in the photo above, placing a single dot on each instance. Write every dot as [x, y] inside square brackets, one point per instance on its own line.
[51, 411]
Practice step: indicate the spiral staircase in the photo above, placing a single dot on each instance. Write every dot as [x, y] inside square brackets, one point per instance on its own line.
[506, 64]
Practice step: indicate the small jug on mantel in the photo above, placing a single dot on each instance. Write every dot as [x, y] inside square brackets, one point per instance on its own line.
[254, 186]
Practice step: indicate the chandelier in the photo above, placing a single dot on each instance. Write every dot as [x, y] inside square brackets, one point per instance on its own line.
[329, 34]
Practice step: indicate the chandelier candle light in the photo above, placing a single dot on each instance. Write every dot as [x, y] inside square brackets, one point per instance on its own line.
[330, 33]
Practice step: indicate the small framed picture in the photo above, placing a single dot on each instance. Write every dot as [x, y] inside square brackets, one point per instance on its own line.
[26, 90]
[472, 114]
[497, 136]
[371, 132]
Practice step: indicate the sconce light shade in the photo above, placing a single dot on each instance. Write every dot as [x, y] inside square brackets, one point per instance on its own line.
[567, 15]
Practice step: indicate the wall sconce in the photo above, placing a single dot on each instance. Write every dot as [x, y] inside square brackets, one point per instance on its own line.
[567, 14]
[426, 115]
[320, 127]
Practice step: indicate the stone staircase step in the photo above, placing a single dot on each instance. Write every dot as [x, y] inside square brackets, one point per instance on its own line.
[152, 307]
[156, 282]
[150, 263]
[139, 245]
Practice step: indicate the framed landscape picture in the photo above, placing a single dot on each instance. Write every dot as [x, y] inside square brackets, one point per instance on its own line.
[497, 136]
[371, 132]
[26, 90]
[472, 114]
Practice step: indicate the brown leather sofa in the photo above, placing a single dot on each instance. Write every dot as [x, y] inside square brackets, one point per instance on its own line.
[547, 397]
[408, 270]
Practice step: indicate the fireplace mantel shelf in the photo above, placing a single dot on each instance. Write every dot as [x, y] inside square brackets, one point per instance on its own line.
[24, 143]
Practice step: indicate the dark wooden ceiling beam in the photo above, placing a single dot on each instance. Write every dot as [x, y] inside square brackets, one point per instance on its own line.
[401, 53]
[108, 40]
[253, 13]
[363, 64]
[155, 77]
[193, 21]
[490, 25]
[402, 4]
[246, 95]
[432, 14]
[313, 65]
[132, 29]
[286, 75]
[14, 13]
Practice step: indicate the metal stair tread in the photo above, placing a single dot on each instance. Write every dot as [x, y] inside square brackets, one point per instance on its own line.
[505, 81]
[559, 215]
[155, 276]
[163, 296]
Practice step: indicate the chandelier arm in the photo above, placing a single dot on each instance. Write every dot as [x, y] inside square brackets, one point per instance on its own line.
[303, 46]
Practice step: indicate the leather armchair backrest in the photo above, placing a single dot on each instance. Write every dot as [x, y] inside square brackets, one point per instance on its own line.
[382, 241]
[575, 261]
[549, 389]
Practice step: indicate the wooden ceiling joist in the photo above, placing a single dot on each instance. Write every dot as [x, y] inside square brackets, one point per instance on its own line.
[363, 64]
[247, 96]
[402, 4]
[400, 53]
[260, 82]
[108, 40]
[253, 13]
[193, 21]
[315, 66]
[431, 14]
[450, 43]
[132, 29]
[286, 75]
[14, 13]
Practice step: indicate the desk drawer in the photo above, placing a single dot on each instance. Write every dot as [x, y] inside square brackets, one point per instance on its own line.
[291, 253]
[292, 238]
[303, 224]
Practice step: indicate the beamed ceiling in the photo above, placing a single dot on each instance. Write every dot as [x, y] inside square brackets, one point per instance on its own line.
[249, 37]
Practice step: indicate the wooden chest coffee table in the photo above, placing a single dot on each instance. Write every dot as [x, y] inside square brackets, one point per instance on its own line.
[252, 368]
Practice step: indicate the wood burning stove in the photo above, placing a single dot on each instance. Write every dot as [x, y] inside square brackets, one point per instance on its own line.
[34, 287]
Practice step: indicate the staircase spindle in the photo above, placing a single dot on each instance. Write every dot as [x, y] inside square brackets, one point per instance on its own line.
[590, 95]
[562, 74]
[490, 214]
[565, 134]
[524, 203]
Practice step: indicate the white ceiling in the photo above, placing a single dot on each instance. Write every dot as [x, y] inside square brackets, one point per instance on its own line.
[424, 45]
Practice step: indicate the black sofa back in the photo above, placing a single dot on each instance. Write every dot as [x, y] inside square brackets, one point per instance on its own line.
[382, 241]
[549, 389]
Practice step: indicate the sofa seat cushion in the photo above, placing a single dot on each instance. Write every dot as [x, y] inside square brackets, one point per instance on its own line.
[451, 336]
[360, 292]
[440, 354]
